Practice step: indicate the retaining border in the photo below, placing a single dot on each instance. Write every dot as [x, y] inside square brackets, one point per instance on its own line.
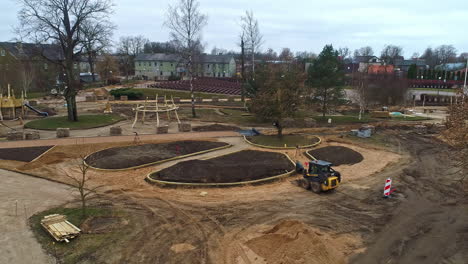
[40, 156]
[226, 184]
[272, 147]
[156, 162]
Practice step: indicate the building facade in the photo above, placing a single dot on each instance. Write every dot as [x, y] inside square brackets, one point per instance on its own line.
[161, 66]
[29, 67]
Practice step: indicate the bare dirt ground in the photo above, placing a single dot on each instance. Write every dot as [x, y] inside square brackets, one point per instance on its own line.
[18, 244]
[424, 222]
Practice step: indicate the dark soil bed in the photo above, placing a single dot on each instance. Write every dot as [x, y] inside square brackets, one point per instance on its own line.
[215, 127]
[237, 167]
[131, 156]
[337, 155]
[23, 154]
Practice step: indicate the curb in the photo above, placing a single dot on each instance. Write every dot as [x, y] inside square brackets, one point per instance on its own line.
[156, 162]
[207, 185]
[271, 147]
[71, 129]
[40, 156]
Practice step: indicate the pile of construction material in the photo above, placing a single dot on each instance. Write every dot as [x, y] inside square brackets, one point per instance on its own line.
[59, 227]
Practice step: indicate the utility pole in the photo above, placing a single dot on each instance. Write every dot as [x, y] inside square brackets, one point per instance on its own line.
[464, 86]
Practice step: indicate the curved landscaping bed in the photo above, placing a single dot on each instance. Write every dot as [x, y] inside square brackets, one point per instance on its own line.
[243, 167]
[284, 142]
[84, 122]
[337, 155]
[137, 156]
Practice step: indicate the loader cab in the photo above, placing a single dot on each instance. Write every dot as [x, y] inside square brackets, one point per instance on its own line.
[317, 167]
[320, 176]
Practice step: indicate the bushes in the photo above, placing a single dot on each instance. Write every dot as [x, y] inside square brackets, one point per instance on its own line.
[131, 93]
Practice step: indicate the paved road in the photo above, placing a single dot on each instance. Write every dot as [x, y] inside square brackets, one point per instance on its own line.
[90, 140]
[17, 243]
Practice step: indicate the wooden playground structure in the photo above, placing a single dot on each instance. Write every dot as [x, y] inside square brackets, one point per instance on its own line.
[167, 107]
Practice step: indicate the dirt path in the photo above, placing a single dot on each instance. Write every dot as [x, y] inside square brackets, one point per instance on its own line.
[18, 244]
[90, 140]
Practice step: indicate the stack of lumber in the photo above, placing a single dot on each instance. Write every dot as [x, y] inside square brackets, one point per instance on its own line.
[59, 228]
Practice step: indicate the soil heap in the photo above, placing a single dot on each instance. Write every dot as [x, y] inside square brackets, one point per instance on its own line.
[337, 155]
[240, 166]
[23, 154]
[293, 242]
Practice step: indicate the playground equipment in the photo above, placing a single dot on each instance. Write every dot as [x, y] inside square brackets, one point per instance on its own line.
[44, 114]
[167, 107]
[11, 103]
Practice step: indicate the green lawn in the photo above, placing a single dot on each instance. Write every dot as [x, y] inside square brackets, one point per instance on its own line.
[285, 141]
[85, 122]
[434, 89]
[151, 93]
[223, 115]
[84, 245]
[345, 119]
[409, 118]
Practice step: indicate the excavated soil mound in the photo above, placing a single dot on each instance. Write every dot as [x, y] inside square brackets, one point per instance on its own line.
[294, 242]
[131, 156]
[337, 155]
[237, 167]
[99, 225]
[23, 154]
[215, 127]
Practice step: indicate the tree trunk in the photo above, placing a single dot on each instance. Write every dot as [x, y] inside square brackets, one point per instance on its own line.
[83, 206]
[192, 95]
[70, 94]
[279, 127]
[243, 70]
[324, 104]
[91, 67]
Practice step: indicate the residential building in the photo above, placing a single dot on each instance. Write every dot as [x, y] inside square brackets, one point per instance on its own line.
[404, 65]
[28, 66]
[381, 69]
[160, 66]
[366, 61]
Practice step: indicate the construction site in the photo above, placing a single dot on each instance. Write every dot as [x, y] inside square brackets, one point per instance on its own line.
[172, 189]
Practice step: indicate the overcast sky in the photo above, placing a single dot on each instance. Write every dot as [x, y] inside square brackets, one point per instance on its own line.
[305, 25]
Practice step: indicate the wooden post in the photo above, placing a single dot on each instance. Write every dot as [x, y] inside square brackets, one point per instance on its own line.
[144, 111]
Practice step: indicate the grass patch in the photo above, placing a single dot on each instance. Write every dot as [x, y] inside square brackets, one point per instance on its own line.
[151, 93]
[83, 246]
[434, 89]
[223, 115]
[409, 118]
[345, 119]
[285, 140]
[85, 122]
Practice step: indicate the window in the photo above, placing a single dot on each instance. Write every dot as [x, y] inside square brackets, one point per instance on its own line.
[139, 64]
[46, 66]
[208, 66]
[2, 53]
[172, 65]
[161, 64]
[161, 73]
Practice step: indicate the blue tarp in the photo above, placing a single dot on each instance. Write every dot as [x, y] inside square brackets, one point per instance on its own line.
[249, 133]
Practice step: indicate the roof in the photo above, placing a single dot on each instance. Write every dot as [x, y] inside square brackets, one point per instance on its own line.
[24, 51]
[359, 59]
[451, 66]
[321, 163]
[418, 62]
[177, 58]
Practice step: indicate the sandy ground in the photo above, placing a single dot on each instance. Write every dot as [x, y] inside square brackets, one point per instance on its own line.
[33, 195]
[424, 221]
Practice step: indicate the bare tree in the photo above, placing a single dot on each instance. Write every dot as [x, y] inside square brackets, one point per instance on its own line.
[390, 53]
[186, 23]
[364, 51]
[445, 54]
[129, 47]
[107, 67]
[61, 21]
[253, 36]
[80, 183]
[97, 38]
[242, 38]
[27, 75]
[286, 55]
[344, 53]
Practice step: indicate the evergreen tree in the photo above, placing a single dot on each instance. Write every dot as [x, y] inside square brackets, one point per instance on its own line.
[325, 77]
[412, 71]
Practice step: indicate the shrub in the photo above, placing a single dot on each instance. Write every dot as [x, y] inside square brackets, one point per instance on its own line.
[132, 94]
[174, 78]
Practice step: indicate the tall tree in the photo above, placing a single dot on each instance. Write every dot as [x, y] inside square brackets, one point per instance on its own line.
[185, 22]
[128, 48]
[61, 21]
[390, 53]
[430, 57]
[253, 37]
[344, 53]
[286, 55]
[107, 67]
[242, 39]
[278, 95]
[445, 54]
[364, 51]
[97, 38]
[326, 77]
